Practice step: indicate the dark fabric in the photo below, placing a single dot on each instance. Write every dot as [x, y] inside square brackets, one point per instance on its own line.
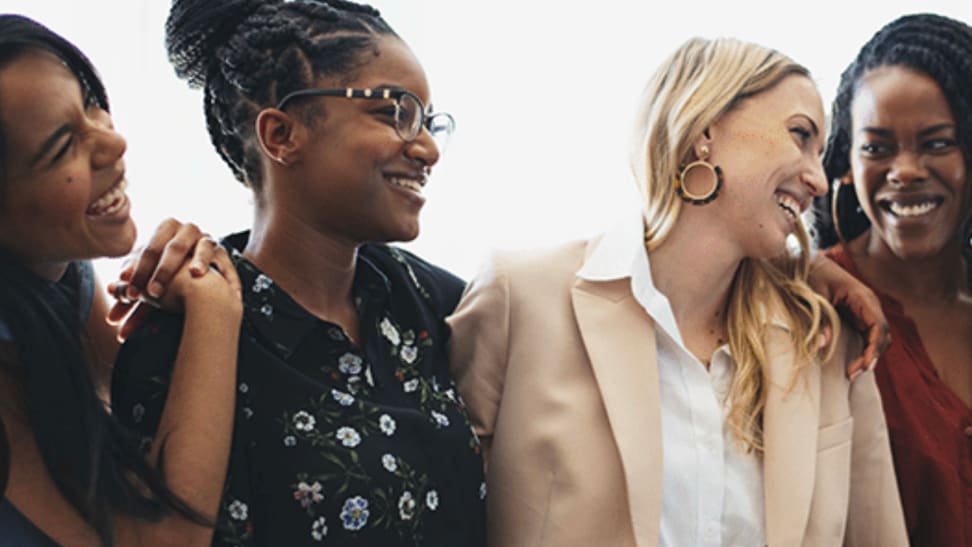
[17, 531]
[930, 429]
[78, 283]
[335, 443]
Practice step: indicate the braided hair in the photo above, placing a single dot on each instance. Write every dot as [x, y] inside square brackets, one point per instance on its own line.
[931, 44]
[95, 462]
[248, 54]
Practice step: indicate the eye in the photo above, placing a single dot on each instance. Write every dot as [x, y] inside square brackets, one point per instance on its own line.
[874, 149]
[63, 150]
[940, 144]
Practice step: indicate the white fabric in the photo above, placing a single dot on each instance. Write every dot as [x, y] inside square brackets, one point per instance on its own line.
[712, 493]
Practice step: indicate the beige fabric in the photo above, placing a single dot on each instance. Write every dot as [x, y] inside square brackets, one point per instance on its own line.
[560, 378]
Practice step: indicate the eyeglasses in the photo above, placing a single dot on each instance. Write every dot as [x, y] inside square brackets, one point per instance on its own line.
[410, 114]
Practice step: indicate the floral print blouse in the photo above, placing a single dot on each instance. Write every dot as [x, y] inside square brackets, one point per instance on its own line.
[334, 443]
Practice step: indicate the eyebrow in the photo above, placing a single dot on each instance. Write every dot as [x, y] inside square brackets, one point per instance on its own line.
[49, 143]
[881, 132]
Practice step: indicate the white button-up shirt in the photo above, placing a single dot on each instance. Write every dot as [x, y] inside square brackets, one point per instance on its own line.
[712, 490]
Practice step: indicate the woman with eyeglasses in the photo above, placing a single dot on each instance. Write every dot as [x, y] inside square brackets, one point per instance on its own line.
[676, 381]
[348, 429]
[898, 217]
[70, 474]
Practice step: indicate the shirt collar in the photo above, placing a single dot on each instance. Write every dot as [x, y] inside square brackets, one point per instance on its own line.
[280, 320]
[620, 253]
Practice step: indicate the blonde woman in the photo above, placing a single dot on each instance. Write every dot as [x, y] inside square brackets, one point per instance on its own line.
[676, 381]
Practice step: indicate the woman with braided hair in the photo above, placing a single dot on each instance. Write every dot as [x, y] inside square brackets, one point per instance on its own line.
[348, 428]
[897, 217]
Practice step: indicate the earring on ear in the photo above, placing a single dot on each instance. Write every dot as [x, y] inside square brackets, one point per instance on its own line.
[281, 161]
[679, 182]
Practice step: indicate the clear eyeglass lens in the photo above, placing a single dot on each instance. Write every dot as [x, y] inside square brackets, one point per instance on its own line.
[409, 120]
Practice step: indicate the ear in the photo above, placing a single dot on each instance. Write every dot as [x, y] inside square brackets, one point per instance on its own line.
[280, 135]
[702, 147]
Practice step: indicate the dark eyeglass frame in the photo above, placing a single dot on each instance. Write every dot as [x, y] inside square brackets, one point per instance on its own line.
[384, 93]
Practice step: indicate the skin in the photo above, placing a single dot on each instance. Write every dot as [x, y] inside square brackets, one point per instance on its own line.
[47, 222]
[328, 185]
[904, 149]
[768, 146]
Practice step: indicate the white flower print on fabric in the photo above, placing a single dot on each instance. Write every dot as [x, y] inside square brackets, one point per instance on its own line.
[261, 283]
[349, 363]
[390, 332]
[304, 421]
[390, 463]
[368, 377]
[308, 494]
[138, 412]
[319, 529]
[410, 385]
[237, 510]
[335, 333]
[354, 514]
[244, 387]
[406, 506]
[440, 419]
[432, 500]
[348, 437]
[247, 412]
[482, 490]
[290, 441]
[342, 398]
[266, 309]
[409, 353]
[387, 424]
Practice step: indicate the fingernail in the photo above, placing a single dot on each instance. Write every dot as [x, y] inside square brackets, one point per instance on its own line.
[871, 366]
[855, 374]
[155, 289]
[132, 293]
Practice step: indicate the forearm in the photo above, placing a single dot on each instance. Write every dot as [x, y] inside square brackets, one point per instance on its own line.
[196, 427]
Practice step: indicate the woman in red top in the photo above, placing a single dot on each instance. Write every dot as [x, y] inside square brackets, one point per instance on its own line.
[898, 212]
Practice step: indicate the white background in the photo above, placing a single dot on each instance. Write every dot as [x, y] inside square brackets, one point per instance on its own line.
[543, 92]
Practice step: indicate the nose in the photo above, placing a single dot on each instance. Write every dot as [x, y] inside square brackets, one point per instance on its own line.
[108, 145]
[907, 168]
[815, 178]
[423, 149]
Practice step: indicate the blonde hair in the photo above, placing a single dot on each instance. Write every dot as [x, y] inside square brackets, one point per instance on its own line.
[700, 82]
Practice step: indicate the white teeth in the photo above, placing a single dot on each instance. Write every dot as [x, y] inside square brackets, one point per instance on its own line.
[912, 209]
[411, 184]
[109, 202]
[788, 204]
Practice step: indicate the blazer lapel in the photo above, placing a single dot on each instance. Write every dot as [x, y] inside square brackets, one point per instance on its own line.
[620, 341]
[790, 422]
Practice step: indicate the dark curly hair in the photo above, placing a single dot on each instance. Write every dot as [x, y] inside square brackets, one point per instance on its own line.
[248, 54]
[931, 44]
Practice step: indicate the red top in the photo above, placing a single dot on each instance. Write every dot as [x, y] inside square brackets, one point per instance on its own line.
[930, 429]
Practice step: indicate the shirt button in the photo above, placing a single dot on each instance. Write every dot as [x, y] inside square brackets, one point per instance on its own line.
[712, 531]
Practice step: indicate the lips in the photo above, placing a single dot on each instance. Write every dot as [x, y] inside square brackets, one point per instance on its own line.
[790, 204]
[111, 201]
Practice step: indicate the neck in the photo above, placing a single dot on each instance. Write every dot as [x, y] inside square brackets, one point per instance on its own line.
[316, 269]
[694, 268]
[934, 280]
[51, 271]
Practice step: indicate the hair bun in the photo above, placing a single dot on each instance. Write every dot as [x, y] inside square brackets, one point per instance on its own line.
[196, 29]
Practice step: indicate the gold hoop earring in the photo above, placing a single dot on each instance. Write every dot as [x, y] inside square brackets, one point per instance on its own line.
[698, 199]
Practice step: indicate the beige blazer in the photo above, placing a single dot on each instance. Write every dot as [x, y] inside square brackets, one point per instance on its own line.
[561, 381]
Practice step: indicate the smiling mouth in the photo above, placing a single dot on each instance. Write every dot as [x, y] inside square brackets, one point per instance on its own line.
[912, 209]
[111, 201]
[408, 183]
[789, 205]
